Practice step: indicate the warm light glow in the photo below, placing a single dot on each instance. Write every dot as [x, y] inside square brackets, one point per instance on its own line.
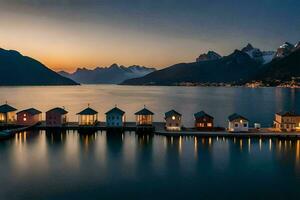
[260, 143]
[173, 117]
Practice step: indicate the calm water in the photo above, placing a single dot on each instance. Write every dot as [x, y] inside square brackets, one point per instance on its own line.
[259, 105]
[40, 165]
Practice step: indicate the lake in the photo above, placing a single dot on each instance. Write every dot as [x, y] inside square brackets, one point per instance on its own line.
[258, 105]
[40, 165]
[100, 165]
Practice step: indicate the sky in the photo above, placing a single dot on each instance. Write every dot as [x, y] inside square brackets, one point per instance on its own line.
[66, 34]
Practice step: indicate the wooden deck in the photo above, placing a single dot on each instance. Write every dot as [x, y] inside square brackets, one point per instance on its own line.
[266, 132]
[157, 128]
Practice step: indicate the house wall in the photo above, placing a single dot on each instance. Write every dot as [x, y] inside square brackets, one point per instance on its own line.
[288, 123]
[24, 118]
[173, 123]
[238, 126]
[144, 119]
[85, 120]
[55, 119]
[114, 120]
[204, 122]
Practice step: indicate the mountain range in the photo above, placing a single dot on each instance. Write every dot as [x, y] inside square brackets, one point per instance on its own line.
[240, 67]
[113, 74]
[16, 69]
[246, 65]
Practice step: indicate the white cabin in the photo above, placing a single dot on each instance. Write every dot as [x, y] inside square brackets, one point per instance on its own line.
[238, 123]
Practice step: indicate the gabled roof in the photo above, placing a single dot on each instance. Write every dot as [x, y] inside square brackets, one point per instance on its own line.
[171, 113]
[58, 110]
[31, 111]
[144, 111]
[6, 108]
[236, 116]
[115, 110]
[202, 114]
[287, 114]
[88, 111]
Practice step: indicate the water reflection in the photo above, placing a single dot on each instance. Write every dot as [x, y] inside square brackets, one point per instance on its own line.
[49, 159]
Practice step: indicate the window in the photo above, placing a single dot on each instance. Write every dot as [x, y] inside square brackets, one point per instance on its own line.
[245, 125]
[173, 117]
[209, 124]
[236, 125]
[200, 124]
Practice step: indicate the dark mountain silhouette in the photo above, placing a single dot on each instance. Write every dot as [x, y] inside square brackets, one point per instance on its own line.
[237, 67]
[249, 64]
[281, 69]
[16, 69]
[113, 74]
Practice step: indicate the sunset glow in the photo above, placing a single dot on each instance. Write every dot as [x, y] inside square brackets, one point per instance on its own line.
[70, 34]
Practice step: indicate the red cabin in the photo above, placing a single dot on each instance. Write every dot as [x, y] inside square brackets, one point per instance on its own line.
[56, 117]
[203, 121]
[29, 117]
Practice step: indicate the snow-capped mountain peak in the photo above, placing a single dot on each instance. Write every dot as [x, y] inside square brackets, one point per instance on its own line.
[284, 50]
[258, 55]
[210, 55]
[112, 74]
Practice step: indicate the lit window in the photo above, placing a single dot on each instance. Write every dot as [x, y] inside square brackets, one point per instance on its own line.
[173, 117]
[24, 119]
[209, 124]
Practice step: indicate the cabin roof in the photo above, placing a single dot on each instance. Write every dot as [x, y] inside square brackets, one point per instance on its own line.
[31, 111]
[115, 110]
[236, 116]
[287, 114]
[58, 110]
[6, 108]
[88, 111]
[171, 113]
[144, 111]
[202, 114]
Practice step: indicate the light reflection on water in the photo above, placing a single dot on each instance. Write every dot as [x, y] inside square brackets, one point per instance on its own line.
[68, 164]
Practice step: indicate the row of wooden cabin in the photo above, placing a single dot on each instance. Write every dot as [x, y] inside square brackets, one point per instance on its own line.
[56, 117]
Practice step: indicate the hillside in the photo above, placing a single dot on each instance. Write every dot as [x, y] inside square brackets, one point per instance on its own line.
[281, 68]
[16, 69]
[237, 67]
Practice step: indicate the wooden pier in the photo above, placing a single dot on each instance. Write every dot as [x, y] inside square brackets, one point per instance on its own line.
[158, 128]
